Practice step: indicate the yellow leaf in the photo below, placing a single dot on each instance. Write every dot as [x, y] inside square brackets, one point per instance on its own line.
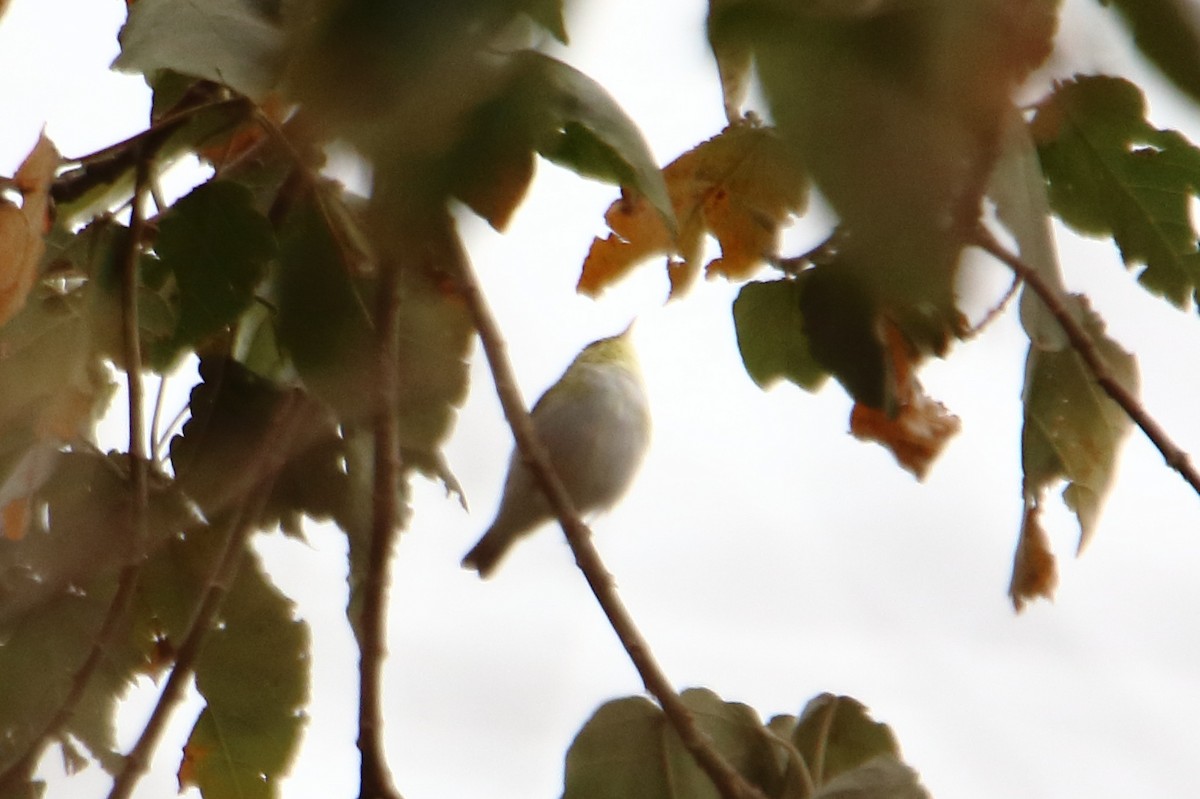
[741, 186]
[21, 229]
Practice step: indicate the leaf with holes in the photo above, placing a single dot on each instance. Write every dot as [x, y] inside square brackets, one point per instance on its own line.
[1112, 173]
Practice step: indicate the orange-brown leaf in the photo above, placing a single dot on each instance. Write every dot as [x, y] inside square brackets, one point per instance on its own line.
[1035, 573]
[920, 427]
[193, 755]
[741, 186]
[638, 233]
[916, 435]
[21, 229]
[14, 519]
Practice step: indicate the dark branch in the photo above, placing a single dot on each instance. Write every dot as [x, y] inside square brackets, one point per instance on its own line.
[22, 769]
[375, 778]
[728, 781]
[1083, 344]
[270, 461]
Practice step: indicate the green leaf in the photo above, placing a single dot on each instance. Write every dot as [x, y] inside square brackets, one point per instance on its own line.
[1166, 33]
[548, 14]
[583, 129]
[836, 735]
[548, 107]
[629, 750]
[41, 652]
[840, 322]
[882, 777]
[435, 336]
[324, 321]
[227, 41]
[234, 414]
[893, 109]
[1072, 430]
[734, 59]
[216, 245]
[254, 676]
[770, 335]
[56, 584]
[53, 379]
[1018, 188]
[1113, 174]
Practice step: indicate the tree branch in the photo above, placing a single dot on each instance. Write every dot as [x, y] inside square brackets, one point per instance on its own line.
[375, 780]
[22, 769]
[270, 461]
[1083, 344]
[728, 781]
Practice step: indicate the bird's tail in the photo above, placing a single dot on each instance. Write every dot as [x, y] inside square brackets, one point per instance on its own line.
[485, 556]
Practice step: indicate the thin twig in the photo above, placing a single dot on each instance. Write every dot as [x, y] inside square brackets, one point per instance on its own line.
[727, 780]
[995, 311]
[156, 417]
[131, 340]
[270, 461]
[108, 164]
[375, 780]
[818, 764]
[164, 438]
[22, 769]
[808, 785]
[1083, 344]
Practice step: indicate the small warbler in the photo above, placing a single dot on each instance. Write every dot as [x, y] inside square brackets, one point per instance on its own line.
[595, 423]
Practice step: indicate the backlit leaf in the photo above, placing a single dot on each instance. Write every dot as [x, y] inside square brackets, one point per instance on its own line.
[227, 41]
[628, 750]
[336, 357]
[836, 735]
[771, 338]
[56, 584]
[1112, 173]
[1073, 432]
[216, 246]
[1166, 33]
[734, 59]
[253, 673]
[882, 777]
[435, 339]
[22, 229]
[895, 110]
[1018, 188]
[741, 186]
[234, 415]
[548, 107]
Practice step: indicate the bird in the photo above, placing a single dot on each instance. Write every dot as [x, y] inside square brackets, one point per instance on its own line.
[595, 425]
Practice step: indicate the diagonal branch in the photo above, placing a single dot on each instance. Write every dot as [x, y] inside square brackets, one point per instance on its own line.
[728, 781]
[22, 769]
[1083, 344]
[271, 459]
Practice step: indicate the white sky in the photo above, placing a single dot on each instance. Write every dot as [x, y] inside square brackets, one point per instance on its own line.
[764, 552]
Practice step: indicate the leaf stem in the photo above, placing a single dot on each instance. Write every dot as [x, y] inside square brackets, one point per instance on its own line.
[727, 780]
[1083, 344]
[375, 779]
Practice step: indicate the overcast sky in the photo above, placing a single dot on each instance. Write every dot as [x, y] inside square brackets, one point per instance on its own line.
[765, 553]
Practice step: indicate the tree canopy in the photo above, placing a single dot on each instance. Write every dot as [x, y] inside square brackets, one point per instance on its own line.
[333, 333]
